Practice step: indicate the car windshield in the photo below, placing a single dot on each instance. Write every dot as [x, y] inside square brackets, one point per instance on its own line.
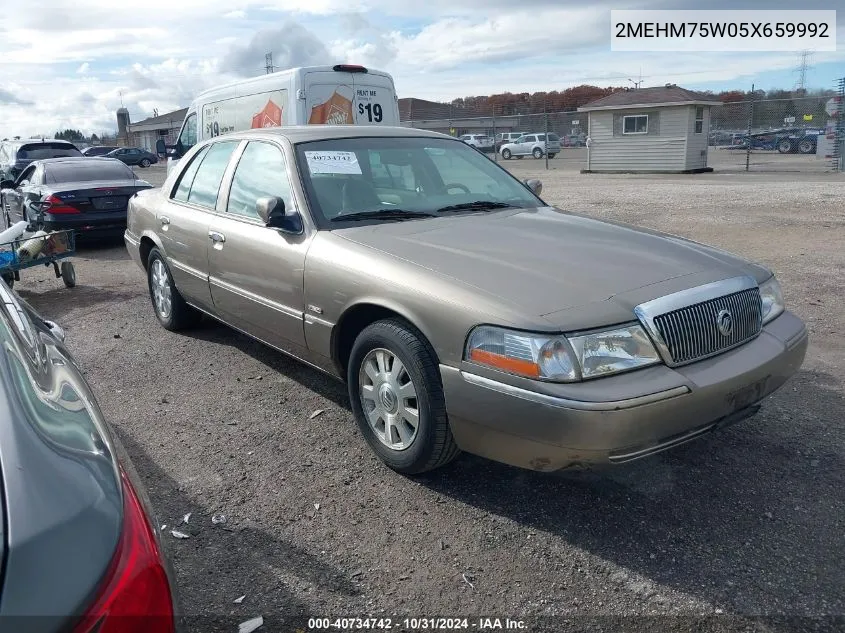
[413, 174]
[40, 151]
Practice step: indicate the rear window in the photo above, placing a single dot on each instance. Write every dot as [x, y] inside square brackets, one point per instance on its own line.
[554, 137]
[83, 171]
[40, 151]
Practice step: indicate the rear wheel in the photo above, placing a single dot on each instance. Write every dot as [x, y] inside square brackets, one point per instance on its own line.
[506, 154]
[806, 146]
[537, 153]
[552, 155]
[170, 308]
[784, 146]
[144, 163]
[397, 398]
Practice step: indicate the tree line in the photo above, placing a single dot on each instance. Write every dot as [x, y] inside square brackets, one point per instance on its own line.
[509, 103]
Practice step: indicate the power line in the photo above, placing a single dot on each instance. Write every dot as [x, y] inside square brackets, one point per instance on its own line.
[803, 67]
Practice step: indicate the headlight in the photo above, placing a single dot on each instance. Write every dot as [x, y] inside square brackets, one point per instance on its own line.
[613, 351]
[558, 358]
[772, 298]
[523, 354]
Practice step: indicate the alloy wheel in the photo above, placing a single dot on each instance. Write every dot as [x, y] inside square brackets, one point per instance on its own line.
[389, 399]
[160, 286]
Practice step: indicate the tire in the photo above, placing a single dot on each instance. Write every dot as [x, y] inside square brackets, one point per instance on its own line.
[537, 153]
[144, 163]
[506, 154]
[378, 347]
[178, 315]
[9, 278]
[784, 146]
[68, 274]
[806, 146]
[552, 155]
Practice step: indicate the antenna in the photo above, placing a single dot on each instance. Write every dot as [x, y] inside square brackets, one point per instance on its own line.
[268, 62]
[803, 67]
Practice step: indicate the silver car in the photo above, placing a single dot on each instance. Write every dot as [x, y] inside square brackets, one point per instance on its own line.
[536, 145]
[463, 312]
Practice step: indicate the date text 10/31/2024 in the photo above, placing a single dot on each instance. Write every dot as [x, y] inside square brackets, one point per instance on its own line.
[414, 624]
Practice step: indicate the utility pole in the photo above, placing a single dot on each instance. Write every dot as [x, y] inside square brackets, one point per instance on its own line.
[803, 67]
[268, 62]
[748, 134]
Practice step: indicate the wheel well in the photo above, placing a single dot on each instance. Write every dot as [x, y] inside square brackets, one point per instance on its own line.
[351, 323]
[146, 246]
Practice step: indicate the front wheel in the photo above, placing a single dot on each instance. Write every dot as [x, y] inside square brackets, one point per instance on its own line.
[170, 308]
[506, 154]
[538, 153]
[397, 398]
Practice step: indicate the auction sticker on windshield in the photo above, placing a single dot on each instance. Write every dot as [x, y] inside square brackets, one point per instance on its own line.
[332, 162]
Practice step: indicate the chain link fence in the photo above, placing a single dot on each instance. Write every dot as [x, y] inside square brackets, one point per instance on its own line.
[803, 134]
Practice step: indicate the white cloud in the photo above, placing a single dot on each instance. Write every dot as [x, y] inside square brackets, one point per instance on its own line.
[87, 57]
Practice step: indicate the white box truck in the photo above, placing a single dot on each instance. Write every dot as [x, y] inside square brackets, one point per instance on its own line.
[321, 95]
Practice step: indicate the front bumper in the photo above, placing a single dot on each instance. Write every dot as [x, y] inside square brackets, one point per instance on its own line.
[546, 427]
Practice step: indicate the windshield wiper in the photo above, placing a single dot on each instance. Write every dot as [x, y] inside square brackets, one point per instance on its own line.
[478, 205]
[381, 214]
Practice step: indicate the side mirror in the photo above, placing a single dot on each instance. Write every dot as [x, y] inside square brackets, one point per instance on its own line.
[535, 185]
[7, 184]
[272, 212]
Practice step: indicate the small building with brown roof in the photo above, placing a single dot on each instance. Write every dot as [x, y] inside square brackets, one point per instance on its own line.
[649, 130]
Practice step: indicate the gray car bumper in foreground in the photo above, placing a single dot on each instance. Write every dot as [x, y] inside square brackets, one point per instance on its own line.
[619, 418]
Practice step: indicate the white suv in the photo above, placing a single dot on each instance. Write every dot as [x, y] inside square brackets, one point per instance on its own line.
[534, 145]
[479, 141]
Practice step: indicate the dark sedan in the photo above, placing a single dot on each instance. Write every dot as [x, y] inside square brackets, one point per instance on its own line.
[88, 195]
[134, 156]
[80, 550]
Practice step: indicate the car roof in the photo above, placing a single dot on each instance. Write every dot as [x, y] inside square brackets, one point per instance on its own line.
[306, 133]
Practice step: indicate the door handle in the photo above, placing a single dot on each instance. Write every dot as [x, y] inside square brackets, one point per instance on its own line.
[216, 237]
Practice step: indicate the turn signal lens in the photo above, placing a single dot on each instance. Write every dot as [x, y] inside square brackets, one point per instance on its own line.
[532, 356]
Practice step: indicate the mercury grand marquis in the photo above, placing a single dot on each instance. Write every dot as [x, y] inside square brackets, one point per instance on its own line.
[463, 312]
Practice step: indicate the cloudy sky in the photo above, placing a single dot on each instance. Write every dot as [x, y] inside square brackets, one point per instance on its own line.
[70, 63]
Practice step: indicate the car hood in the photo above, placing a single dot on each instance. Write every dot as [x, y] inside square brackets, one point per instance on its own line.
[545, 260]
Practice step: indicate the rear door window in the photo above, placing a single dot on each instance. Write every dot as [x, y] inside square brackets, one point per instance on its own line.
[187, 177]
[207, 181]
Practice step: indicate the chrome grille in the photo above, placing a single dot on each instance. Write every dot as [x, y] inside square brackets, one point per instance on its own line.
[692, 332]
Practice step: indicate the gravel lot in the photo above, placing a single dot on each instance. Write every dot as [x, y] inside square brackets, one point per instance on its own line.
[745, 523]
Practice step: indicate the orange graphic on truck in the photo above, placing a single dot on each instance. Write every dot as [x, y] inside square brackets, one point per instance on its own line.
[336, 111]
[269, 116]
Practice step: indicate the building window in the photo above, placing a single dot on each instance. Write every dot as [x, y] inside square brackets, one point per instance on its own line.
[699, 119]
[636, 124]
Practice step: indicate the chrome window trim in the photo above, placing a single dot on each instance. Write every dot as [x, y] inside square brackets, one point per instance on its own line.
[647, 311]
